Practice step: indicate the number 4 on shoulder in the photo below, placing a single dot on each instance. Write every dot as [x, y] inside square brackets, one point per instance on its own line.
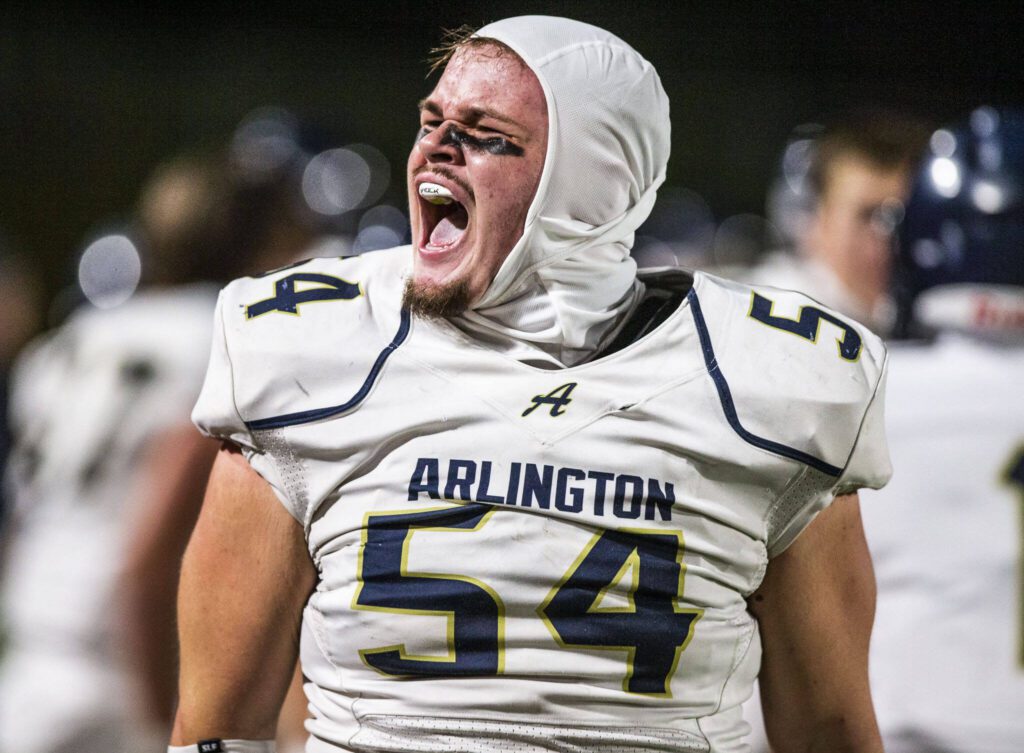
[287, 298]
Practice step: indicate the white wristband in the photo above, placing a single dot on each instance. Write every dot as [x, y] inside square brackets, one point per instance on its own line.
[225, 746]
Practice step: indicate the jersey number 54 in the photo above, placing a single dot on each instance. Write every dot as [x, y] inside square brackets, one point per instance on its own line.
[651, 628]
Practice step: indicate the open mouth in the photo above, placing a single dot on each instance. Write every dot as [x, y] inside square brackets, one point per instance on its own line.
[443, 224]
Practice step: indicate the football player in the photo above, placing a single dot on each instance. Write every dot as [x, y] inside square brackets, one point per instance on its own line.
[20, 309]
[92, 401]
[107, 472]
[505, 494]
[947, 657]
[839, 198]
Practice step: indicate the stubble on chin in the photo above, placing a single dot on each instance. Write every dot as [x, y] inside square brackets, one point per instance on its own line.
[436, 301]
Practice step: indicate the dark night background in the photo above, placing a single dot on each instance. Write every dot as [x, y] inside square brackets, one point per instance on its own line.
[95, 96]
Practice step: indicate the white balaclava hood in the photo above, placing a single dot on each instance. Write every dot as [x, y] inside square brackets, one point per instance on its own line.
[570, 282]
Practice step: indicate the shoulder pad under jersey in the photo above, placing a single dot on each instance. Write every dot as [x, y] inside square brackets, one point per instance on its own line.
[796, 379]
[295, 344]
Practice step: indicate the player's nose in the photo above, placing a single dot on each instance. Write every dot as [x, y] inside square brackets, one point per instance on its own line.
[438, 148]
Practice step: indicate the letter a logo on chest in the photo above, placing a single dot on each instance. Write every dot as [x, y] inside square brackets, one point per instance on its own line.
[558, 398]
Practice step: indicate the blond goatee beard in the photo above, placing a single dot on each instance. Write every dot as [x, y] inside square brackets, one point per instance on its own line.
[434, 301]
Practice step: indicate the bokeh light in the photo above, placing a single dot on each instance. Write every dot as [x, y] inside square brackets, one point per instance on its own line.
[375, 238]
[945, 175]
[988, 196]
[679, 231]
[265, 140]
[336, 181]
[109, 270]
[943, 143]
[380, 172]
[928, 253]
[651, 252]
[990, 155]
[984, 122]
[742, 239]
[383, 226]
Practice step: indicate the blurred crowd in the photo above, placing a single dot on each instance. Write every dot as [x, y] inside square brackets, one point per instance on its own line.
[105, 473]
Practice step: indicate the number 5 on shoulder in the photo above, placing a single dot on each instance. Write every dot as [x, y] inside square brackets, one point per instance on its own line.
[807, 325]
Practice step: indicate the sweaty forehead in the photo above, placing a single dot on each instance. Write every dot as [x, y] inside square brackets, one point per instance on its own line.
[489, 52]
[488, 80]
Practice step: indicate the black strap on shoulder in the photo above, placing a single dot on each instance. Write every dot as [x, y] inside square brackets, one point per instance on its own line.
[651, 312]
[665, 292]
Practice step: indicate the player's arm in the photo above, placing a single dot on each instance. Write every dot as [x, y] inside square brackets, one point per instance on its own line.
[175, 469]
[291, 724]
[815, 607]
[244, 581]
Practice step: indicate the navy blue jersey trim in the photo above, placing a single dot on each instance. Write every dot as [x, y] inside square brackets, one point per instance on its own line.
[308, 416]
[725, 396]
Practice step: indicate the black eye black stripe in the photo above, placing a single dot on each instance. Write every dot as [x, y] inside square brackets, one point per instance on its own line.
[495, 145]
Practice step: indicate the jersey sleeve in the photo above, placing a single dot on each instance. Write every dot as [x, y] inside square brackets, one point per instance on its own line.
[293, 347]
[803, 384]
[812, 491]
[869, 465]
[216, 412]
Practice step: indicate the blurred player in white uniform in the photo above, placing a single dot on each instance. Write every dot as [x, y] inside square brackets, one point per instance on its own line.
[517, 496]
[20, 309]
[837, 200]
[947, 656]
[89, 402]
[104, 457]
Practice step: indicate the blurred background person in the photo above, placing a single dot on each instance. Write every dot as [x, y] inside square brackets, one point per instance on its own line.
[20, 309]
[90, 402]
[107, 472]
[947, 652]
[837, 199]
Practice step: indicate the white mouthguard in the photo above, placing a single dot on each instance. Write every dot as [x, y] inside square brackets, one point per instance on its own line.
[436, 194]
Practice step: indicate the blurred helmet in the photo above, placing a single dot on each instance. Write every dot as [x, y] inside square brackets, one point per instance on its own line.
[961, 251]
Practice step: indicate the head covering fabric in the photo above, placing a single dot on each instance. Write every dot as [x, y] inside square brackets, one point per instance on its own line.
[570, 281]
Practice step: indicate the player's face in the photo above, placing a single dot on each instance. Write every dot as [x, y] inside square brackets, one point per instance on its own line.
[853, 227]
[483, 136]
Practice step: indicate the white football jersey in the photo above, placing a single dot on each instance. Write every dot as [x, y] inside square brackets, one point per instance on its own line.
[86, 399]
[514, 558]
[947, 653]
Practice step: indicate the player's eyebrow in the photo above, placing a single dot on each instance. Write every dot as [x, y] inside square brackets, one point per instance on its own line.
[468, 114]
